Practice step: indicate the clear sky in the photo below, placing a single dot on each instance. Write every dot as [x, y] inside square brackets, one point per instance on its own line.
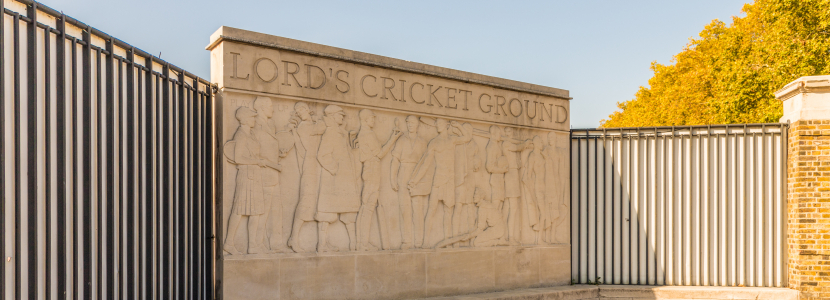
[598, 50]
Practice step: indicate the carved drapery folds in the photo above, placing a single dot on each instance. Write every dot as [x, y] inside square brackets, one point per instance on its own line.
[312, 177]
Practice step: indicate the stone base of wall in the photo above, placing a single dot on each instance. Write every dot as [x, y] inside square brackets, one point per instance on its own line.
[394, 274]
[620, 292]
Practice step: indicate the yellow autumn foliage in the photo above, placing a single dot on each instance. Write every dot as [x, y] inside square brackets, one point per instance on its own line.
[728, 74]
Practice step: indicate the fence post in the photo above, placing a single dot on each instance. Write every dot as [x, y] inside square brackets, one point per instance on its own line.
[806, 104]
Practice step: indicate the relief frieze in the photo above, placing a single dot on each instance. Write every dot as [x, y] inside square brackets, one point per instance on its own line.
[316, 177]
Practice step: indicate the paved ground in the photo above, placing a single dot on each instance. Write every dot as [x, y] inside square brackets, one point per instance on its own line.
[623, 292]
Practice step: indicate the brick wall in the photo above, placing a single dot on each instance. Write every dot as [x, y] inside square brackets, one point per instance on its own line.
[808, 201]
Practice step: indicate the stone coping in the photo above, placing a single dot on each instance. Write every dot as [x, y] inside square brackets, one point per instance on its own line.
[633, 292]
[281, 43]
[820, 83]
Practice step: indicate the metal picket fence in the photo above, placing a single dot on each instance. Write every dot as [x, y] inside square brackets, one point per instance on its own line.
[106, 166]
[699, 205]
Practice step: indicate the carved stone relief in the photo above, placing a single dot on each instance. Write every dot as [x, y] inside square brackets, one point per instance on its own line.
[312, 177]
[249, 201]
[408, 150]
[347, 175]
[339, 198]
[370, 153]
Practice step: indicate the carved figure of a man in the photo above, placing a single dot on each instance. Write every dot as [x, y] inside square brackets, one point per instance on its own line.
[248, 198]
[489, 229]
[339, 199]
[496, 164]
[265, 133]
[512, 186]
[490, 223]
[556, 178]
[405, 156]
[436, 171]
[467, 163]
[370, 153]
[536, 208]
[306, 133]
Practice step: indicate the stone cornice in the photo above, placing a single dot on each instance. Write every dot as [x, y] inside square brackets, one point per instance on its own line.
[802, 85]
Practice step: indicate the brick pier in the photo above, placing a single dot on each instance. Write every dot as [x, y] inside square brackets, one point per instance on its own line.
[807, 108]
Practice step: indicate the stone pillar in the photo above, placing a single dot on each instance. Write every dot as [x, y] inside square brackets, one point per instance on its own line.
[807, 108]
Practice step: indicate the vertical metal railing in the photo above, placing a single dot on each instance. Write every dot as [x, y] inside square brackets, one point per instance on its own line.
[694, 205]
[107, 166]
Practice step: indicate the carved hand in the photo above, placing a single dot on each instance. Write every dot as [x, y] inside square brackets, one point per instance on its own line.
[262, 163]
[394, 184]
[292, 123]
[283, 152]
[411, 185]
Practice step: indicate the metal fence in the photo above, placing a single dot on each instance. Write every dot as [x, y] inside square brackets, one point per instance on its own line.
[106, 166]
[701, 205]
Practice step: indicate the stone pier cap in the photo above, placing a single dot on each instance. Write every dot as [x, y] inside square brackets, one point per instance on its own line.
[806, 98]
[278, 66]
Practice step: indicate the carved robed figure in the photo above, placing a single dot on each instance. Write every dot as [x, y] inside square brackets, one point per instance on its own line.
[249, 197]
[339, 198]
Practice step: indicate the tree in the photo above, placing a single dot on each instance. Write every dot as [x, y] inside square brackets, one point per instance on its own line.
[729, 74]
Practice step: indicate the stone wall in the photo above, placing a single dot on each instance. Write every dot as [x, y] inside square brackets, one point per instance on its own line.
[347, 175]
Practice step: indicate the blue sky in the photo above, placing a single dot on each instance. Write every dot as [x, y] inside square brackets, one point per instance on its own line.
[598, 50]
